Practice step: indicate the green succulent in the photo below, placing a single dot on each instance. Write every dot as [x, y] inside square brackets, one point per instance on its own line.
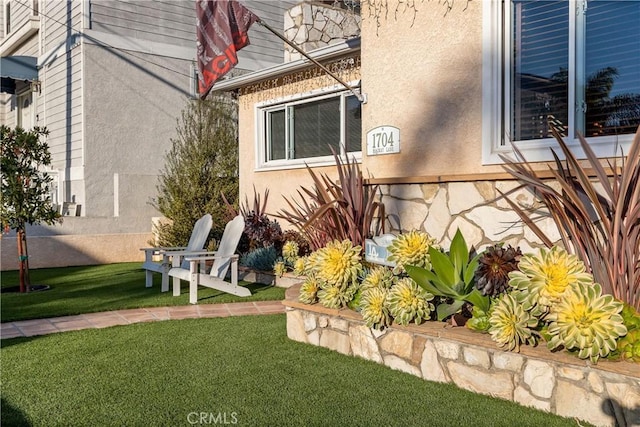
[628, 347]
[630, 317]
[300, 266]
[510, 325]
[279, 268]
[479, 321]
[290, 252]
[586, 321]
[309, 290]
[410, 248]
[374, 308]
[407, 302]
[336, 296]
[451, 277]
[378, 277]
[543, 278]
[338, 263]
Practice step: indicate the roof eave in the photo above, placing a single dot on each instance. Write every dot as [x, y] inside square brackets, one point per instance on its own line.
[321, 54]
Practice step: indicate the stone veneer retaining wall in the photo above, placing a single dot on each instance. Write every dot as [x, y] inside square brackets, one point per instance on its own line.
[605, 394]
[441, 208]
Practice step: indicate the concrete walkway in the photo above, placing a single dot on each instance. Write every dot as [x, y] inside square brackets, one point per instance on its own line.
[29, 328]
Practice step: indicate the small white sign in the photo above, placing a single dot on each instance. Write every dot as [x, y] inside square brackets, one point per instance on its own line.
[383, 140]
[375, 250]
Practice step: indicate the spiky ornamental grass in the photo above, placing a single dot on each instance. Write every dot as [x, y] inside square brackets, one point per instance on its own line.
[543, 278]
[309, 290]
[290, 251]
[411, 248]
[338, 263]
[378, 277]
[494, 266]
[586, 321]
[407, 301]
[374, 308]
[510, 324]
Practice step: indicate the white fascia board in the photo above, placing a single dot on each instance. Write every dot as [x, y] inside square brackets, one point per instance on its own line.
[321, 54]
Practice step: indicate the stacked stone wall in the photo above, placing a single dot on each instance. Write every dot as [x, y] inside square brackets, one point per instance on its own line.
[473, 207]
[606, 394]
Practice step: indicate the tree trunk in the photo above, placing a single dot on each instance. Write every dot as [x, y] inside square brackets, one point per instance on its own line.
[23, 261]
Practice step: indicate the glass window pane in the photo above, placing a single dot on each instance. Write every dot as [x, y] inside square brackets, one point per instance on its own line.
[316, 128]
[612, 67]
[353, 123]
[276, 135]
[539, 92]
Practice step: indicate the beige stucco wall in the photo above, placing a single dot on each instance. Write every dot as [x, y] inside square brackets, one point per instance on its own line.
[279, 182]
[422, 73]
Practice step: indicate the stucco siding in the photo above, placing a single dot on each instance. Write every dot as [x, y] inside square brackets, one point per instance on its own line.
[422, 72]
[128, 142]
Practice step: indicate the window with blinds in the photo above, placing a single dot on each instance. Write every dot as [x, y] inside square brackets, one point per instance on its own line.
[574, 66]
[309, 129]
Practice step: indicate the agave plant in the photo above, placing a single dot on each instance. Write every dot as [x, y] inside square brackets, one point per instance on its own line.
[601, 227]
[543, 278]
[374, 308]
[586, 321]
[510, 325]
[494, 266]
[329, 211]
[338, 263]
[409, 302]
[411, 248]
[451, 277]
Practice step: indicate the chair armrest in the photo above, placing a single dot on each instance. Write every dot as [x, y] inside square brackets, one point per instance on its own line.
[161, 249]
[209, 255]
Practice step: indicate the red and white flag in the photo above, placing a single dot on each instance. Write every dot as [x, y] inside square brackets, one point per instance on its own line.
[221, 32]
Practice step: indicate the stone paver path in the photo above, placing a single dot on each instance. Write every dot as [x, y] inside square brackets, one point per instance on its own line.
[28, 328]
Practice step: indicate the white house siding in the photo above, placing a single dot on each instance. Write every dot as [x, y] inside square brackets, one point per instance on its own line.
[19, 13]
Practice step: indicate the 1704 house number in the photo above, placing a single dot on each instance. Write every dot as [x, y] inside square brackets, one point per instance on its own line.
[383, 140]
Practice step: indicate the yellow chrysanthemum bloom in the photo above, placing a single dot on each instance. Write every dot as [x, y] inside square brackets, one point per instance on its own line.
[279, 268]
[542, 279]
[374, 308]
[407, 301]
[378, 277]
[290, 251]
[510, 324]
[411, 248]
[587, 321]
[338, 263]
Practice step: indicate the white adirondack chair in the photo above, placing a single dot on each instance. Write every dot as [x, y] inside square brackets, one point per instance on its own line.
[223, 258]
[196, 245]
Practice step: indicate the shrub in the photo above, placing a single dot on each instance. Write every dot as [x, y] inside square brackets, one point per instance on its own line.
[260, 259]
[201, 165]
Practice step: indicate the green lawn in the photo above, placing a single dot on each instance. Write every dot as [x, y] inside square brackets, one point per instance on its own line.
[76, 290]
[243, 368]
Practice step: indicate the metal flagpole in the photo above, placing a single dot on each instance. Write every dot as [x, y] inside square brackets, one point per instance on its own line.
[303, 53]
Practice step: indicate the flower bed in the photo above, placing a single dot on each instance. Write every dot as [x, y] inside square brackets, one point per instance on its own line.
[557, 382]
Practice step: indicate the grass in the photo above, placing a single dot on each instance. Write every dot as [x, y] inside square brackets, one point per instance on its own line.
[76, 290]
[242, 368]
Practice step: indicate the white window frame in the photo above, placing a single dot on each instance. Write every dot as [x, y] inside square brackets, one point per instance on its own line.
[495, 94]
[262, 108]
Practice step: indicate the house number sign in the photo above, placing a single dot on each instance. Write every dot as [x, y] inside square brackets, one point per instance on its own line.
[383, 140]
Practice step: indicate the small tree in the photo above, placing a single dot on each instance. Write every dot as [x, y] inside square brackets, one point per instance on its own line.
[201, 165]
[25, 188]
